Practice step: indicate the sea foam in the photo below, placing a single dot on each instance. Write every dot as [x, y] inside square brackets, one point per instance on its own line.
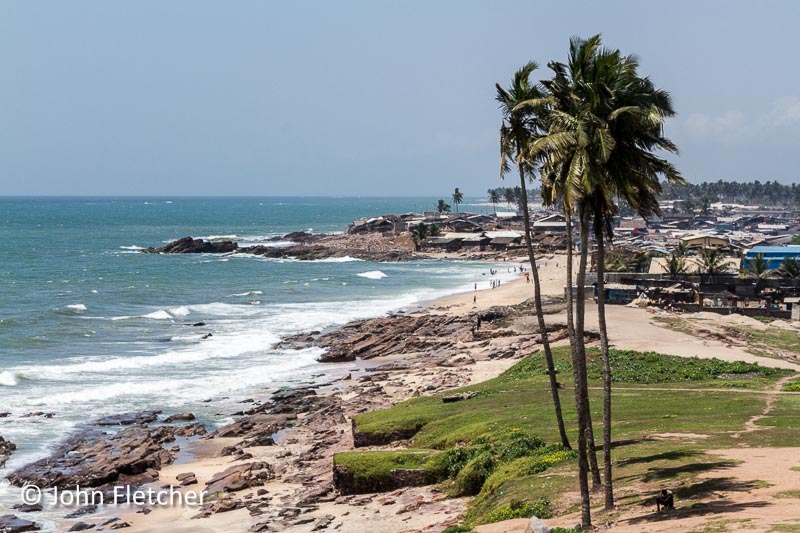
[372, 274]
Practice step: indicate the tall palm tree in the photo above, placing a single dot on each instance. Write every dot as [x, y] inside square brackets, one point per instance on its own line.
[517, 130]
[458, 197]
[607, 127]
[442, 207]
[494, 199]
[712, 261]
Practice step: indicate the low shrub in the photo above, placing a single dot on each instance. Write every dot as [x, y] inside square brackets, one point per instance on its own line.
[520, 509]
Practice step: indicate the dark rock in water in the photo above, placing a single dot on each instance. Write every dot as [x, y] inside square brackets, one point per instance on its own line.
[179, 417]
[4, 414]
[81, 526]
[295, 236]
[127, 419]
[11, 524]
[27, 507]
[110, 521]
[120, 525]
[86, 509]
[93, 458]
[188, 245]
[38, 413]
[198, 324]
[6, 448]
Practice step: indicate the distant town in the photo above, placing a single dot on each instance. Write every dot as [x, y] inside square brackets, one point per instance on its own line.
[721, 246]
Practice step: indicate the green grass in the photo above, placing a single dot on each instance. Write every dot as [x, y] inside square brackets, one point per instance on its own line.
[371, 470]
[493, 439]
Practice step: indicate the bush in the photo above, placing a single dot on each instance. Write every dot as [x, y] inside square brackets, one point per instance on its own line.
[520, 509]
[471, 478]
[517, 445]
[458, 529]
[792, 387]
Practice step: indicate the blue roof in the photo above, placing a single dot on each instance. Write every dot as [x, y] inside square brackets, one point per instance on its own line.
[794, 249]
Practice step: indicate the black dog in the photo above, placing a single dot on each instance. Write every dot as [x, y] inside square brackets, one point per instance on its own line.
[666, 500]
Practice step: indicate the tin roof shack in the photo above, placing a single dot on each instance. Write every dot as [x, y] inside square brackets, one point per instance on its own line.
[775, 255]
[704, 240]
[441, 244]
[502, 240]
[550, 224]
[382, 225]
[477, 243]
[617, 293]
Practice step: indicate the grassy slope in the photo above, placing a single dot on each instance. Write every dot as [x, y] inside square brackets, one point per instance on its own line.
[519, 402]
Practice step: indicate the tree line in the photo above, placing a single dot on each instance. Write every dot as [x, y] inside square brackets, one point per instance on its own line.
[699, 195]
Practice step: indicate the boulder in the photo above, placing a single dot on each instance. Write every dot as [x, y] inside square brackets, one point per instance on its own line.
[127, 419]
[188, 245]
[12, 524]
[536, 526]
[180, 417]
[6, 448]
[239, 477]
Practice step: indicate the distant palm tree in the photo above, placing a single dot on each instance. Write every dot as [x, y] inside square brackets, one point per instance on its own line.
[790, 268]
[458, 197]
[442, 207]
[759, 268]
[712, 261]
[494, 198]
[682, 249]
[419, 233]
[675, 265]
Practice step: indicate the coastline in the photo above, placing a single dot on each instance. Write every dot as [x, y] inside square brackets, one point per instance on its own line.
[296, 493]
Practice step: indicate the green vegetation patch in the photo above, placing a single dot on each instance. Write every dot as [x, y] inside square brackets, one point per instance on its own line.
[493, 444]
[793, 386]
[377, 471]
[646, 368]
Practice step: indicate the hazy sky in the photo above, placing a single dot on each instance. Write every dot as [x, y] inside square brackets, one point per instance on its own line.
[359, 98]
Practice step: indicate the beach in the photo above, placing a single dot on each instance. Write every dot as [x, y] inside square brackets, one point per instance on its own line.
[304, 453]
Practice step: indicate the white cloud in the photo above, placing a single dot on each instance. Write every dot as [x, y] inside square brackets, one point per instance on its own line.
[780, 117]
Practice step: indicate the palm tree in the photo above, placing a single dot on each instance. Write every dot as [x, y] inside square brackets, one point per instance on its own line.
[419, 233]
[682, 250]
[442, 207]
[758, 269]
[494, 199]
[711, 261]
[607, 126]
[516, 132]
[675, 265]
[458, 197]
[790, 268]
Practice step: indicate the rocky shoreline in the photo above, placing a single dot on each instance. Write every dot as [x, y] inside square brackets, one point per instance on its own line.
[274, 462]
[315, 247]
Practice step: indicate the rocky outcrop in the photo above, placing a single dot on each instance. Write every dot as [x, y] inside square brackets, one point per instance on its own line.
[307, 248]
[12, 524]
[6, 448]
[96, 458]
[237, 478]
[436, 335]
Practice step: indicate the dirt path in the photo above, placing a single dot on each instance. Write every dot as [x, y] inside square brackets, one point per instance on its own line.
[772, 396]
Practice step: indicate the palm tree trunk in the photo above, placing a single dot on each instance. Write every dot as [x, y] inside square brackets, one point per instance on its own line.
[580, 389]
[537, 296]
[601, 319]
[580, 341]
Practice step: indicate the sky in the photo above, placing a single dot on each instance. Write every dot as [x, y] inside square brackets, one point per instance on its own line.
[366, 98]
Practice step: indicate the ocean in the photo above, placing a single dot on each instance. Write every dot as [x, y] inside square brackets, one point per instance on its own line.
[91, 327]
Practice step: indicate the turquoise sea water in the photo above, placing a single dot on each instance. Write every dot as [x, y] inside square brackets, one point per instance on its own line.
[90, 327]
